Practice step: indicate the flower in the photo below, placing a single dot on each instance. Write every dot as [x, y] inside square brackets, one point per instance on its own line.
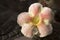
[36, 21]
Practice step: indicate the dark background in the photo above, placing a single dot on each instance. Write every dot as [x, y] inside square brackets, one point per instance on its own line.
[10, 30]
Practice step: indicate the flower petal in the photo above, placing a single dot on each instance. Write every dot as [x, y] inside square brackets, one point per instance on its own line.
[46, 21]
[46, 13]
[27, 30]
[34, 9]
[44, 30]
[23, 18]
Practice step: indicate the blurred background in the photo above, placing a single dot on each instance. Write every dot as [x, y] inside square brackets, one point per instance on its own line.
[9, 10]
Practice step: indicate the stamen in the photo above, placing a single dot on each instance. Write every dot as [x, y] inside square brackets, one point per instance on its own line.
[35, 20]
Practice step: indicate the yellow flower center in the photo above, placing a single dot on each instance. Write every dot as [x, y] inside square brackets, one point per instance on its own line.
[36, 20]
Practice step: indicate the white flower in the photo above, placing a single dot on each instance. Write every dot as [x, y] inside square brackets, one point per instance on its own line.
[36, 21]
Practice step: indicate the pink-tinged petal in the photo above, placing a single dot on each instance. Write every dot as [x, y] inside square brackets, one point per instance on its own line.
[34, 9]
[27, 30]
[46, 13]
[44, 30]
[46, 21]
[23, 18]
